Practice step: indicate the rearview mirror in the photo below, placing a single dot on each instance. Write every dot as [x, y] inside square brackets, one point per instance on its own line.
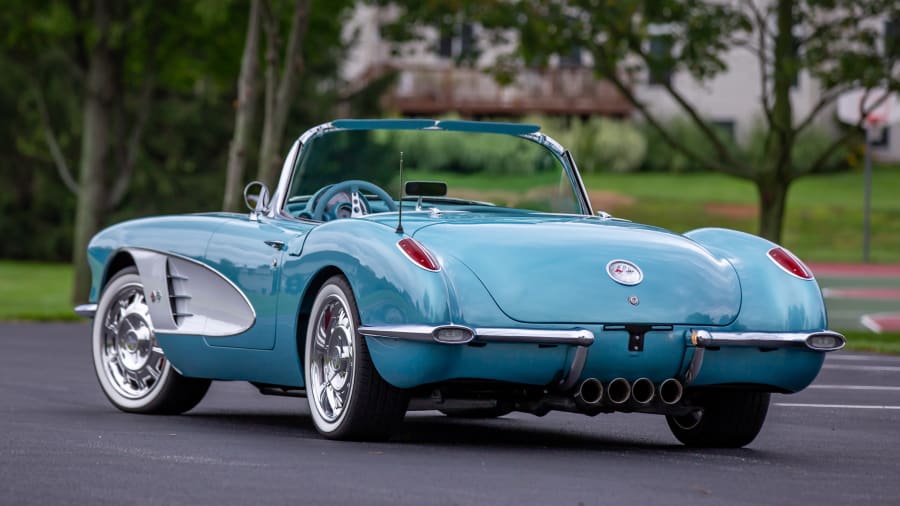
[256, 197]
[426, 188]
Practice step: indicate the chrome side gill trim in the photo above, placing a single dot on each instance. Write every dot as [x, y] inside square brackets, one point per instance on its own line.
[707, 339]
[86, 310]
[199, 300]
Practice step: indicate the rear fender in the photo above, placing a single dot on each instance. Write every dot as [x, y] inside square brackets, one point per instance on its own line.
[773, 300]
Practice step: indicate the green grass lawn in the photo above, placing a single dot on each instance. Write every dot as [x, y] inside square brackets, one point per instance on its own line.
[867, 341]
[35, 291]
[824, 213]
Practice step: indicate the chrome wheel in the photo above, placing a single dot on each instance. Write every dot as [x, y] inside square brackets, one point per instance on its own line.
[132, 369]
[132, 360]
[331, 360]
[347, 397]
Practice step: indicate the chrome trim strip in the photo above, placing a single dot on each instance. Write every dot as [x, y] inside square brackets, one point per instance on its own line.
[86, 310]
[578, 337]
[578, 183]
[407, 332]
[706, 339]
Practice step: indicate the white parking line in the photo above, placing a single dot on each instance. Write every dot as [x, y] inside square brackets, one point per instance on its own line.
[882, 368]
[862, 358]
[834, 406]
[855, 387]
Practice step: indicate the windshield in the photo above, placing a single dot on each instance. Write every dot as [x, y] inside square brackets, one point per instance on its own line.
[481, 171]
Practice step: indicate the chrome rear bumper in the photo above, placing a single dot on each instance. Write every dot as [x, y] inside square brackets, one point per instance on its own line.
[581, 339]
[825, 340]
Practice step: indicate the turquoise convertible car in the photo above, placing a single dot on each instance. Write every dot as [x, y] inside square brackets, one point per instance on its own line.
[487, 285]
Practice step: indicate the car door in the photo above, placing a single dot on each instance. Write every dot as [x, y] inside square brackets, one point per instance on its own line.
[249, 252]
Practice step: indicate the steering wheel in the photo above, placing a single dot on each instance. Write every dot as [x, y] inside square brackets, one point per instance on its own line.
[358, 204]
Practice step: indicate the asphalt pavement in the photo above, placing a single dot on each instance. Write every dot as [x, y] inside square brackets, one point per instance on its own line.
[61, 442]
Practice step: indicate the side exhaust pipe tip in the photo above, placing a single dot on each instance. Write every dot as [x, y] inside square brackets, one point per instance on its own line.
[670, 391]
[618, 391]
[590, 392]
[642, 390]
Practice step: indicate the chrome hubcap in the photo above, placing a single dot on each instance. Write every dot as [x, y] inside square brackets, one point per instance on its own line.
[132, 360]
[331, 364]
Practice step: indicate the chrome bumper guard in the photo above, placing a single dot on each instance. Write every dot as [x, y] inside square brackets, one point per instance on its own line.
[457, 334]
[825, 340]
[86, 310]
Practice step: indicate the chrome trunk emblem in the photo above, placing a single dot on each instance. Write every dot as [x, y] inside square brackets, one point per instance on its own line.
[624, 272]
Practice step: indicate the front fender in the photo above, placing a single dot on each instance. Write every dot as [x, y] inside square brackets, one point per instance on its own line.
[772, 300]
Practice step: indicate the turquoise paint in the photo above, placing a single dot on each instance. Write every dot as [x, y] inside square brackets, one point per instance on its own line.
[773, 300]
[683, 283]
[789, 369]
[450, 125]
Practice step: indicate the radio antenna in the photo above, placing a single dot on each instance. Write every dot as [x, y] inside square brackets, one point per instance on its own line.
[400, 204]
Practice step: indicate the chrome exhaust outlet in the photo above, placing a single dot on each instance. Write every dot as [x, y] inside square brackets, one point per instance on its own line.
[590, 393]
[618, 391]
[642, 391]
[670, 391]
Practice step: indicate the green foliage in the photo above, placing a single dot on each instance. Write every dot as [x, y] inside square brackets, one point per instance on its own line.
[598, 144]
[464, 152]
[662, 157]
[189, 51]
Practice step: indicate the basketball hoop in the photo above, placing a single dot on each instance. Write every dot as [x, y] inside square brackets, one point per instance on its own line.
[875, 122]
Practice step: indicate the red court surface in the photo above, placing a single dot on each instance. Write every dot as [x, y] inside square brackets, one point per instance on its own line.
[862, 293]
[879, 320]
[882, 322]
[855, 270]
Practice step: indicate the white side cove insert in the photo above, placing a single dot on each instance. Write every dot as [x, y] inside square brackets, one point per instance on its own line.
[188, 297]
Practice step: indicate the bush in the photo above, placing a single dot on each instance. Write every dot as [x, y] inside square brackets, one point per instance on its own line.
[599, 144]
[661, 157]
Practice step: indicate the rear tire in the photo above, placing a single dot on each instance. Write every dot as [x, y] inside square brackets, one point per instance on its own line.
[132, 369]
[347, 397]
[725, 419]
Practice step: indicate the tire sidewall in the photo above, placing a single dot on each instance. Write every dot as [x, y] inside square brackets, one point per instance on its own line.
[333, 287]
[125, 278]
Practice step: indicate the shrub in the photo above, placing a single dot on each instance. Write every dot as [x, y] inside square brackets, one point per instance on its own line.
[599, 144]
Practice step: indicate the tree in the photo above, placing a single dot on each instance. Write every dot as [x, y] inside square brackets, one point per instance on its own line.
[835, 42]
[94, 72]
[285, 65]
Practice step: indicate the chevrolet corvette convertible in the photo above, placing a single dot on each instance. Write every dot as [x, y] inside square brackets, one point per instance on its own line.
[455, 266]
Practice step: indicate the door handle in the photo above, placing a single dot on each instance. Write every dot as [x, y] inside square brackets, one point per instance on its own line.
[279, 245]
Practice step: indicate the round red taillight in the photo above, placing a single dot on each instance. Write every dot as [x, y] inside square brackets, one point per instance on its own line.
[789, 263]
[418, 254]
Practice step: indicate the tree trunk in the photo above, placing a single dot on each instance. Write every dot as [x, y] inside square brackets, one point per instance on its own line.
[279, 106]
[772, 201]
[773, 180]
[246, 111]
[94, 152]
